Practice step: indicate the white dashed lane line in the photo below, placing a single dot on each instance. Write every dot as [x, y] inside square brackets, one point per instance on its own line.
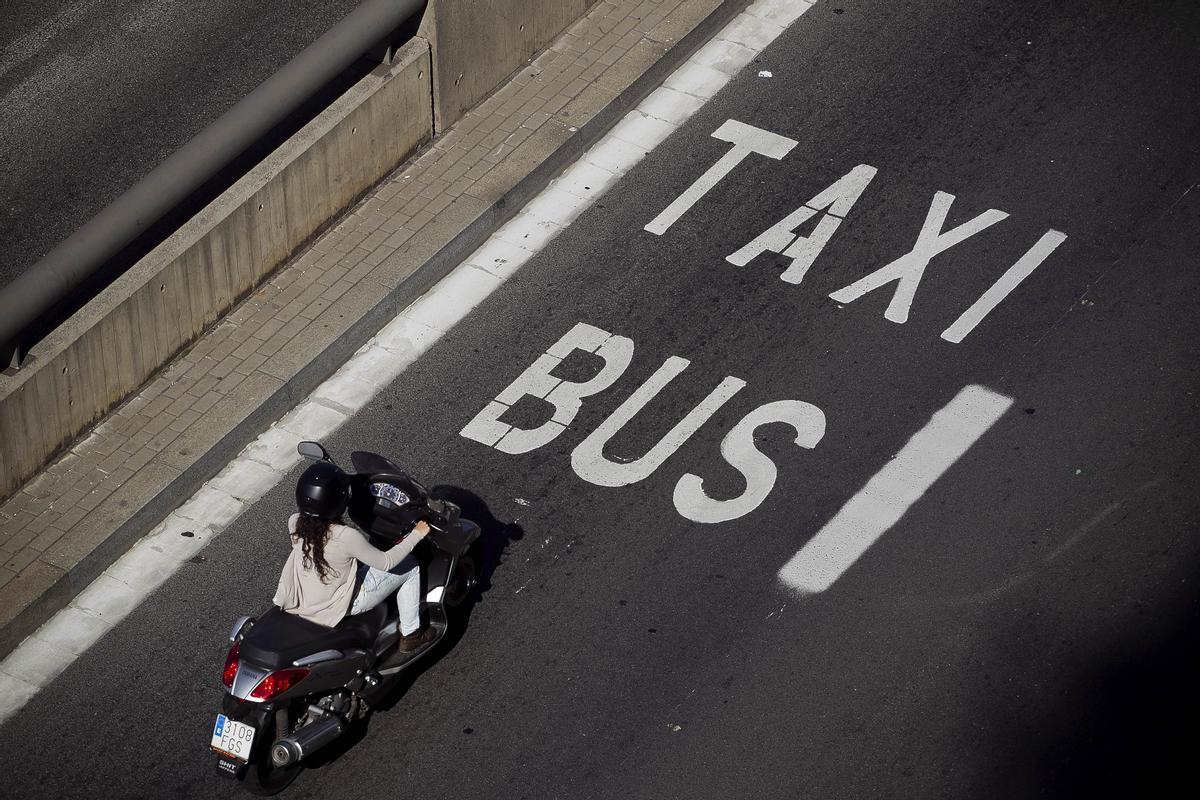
[890, 492]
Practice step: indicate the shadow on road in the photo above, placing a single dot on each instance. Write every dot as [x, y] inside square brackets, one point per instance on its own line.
[1125, 722]
[494, 540]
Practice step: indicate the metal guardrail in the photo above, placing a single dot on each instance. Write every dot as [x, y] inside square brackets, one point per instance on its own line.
[71, 263]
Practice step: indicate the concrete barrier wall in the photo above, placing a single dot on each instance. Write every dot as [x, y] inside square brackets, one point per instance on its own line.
[135, 326]
[106, 351]
[478, 43]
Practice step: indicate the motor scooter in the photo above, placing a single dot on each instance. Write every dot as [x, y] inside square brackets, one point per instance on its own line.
[293, 686]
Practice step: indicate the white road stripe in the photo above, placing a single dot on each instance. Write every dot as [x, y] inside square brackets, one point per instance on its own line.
[263, 463]
[889, 494]
[671, 105]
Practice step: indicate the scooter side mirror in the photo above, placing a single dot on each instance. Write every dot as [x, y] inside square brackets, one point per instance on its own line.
[313, 451]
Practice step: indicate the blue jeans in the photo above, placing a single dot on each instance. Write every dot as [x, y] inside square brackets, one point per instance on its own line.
[375, 586]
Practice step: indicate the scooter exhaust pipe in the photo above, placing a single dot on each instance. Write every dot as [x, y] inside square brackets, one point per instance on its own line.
[306, 741]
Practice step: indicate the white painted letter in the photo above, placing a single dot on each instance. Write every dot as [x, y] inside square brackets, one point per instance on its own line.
[588, 458]
[759, 471]
[999, 290]
[565, 396]
[909, 267]
[803, 251]
[746, 139]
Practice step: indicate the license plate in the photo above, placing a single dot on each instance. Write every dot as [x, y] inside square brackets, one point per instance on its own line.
[232, 738]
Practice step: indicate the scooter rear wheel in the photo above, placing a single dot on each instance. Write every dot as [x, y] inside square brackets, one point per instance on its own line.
[263, 778]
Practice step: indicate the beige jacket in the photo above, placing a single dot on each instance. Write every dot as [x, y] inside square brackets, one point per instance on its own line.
[301, 590]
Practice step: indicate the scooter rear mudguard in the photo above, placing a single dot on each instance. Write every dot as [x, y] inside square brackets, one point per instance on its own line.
[257, 715]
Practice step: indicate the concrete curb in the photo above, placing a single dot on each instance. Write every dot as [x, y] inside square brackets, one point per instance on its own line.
[340, 349]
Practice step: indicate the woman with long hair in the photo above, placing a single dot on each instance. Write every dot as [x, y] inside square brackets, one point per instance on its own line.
[334, 571]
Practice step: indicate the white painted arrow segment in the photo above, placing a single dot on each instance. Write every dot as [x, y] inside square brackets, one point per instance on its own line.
[888, 495]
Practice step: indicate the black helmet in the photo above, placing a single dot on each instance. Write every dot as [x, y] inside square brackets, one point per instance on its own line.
[323, 491]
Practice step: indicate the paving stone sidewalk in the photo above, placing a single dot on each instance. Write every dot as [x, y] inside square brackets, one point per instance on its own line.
[62, 529]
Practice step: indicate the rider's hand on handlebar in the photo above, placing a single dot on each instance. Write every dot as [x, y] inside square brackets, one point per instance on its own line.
[421, 529]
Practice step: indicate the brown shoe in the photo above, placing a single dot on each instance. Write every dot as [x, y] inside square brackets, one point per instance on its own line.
[417, 639]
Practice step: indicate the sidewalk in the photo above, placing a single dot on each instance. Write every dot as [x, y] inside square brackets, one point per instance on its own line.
[65, 527]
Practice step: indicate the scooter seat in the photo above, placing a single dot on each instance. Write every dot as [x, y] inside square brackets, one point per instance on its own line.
[277, 638]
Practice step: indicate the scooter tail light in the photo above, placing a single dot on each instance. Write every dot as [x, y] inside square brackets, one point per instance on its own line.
[278, 682]
[231, 665]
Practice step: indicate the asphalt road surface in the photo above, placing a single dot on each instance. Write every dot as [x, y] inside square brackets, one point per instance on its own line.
[95, 95]
[1027, 628]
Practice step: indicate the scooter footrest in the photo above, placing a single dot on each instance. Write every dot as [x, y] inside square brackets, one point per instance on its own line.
[399, 659]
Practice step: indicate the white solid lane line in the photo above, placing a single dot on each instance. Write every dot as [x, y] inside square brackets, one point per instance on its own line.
[888, 495]
[264, 462]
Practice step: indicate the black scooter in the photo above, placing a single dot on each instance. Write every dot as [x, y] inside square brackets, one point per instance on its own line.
[292, 686]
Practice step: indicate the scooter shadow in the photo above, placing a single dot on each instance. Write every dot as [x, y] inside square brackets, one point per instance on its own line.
[494, 539]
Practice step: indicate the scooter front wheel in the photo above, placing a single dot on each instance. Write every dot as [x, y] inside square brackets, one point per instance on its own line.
[463, 582]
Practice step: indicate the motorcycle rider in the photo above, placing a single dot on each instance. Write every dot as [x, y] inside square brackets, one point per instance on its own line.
[333, 570]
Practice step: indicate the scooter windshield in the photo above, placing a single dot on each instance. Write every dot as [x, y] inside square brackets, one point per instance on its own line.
[367, 463]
